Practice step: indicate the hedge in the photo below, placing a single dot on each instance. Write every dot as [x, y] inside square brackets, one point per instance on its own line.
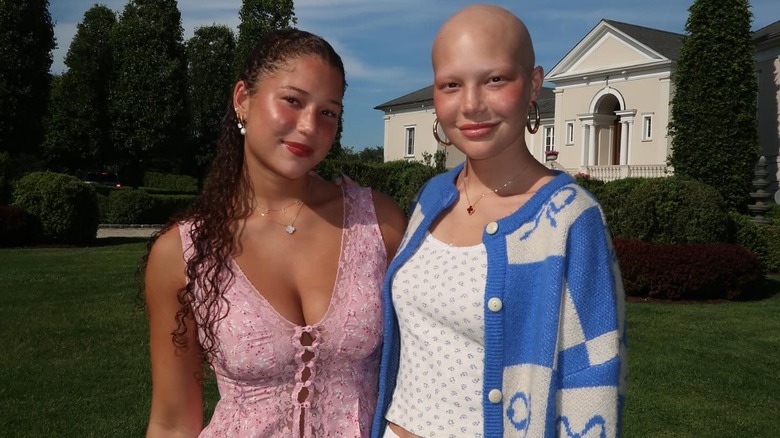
[171, 182]
[688, 271]
[17, 227]
[130, 206]
[65, 208]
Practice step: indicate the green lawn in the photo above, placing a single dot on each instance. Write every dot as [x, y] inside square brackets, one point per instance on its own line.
[74, 356]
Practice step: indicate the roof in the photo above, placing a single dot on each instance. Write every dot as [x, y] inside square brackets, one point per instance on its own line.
[666, 43]
[424, 97]
[767, 32]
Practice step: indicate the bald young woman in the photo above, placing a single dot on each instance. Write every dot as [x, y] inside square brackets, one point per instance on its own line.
[504, 305]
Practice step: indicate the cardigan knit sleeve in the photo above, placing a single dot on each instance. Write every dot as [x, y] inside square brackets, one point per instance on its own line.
[591, 346]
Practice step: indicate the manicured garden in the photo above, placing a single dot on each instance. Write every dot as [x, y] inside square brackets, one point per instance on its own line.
[75, 359]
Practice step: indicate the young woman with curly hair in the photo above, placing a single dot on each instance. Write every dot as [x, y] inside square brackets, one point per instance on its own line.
[273, 276]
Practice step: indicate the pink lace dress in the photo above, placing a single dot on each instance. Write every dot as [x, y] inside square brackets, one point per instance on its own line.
[260, 361]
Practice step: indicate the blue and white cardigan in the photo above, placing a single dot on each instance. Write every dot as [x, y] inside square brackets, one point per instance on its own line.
[554, 329]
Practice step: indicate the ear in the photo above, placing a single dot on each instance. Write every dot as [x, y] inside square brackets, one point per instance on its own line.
[241, 98]
[537, 79]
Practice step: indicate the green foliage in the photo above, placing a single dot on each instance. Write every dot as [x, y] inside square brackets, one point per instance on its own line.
[170, 182]
[5, 177]
[400, 179]
[713, 126]
[26, 43]
[66, 208]
[772, 238]
[590, 184]
[673, 210]
[78, 127]
[210, 87]
[148, 96]
[744, 231]
[258, 18]
[612, 197]
[129, 206]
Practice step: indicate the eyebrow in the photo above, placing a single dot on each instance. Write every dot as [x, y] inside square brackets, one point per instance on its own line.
[290, 87]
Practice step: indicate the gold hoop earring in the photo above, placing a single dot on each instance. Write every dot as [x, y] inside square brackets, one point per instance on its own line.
[537, 118]
[436, 134]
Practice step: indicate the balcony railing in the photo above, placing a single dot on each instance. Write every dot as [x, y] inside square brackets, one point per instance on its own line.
[613, 172]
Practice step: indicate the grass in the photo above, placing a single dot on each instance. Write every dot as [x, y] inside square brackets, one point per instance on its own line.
[75, 362]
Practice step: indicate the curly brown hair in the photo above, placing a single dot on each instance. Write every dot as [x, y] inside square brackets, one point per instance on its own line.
[225, 199]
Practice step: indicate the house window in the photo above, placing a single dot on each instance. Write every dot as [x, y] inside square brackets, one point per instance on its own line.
[569, 132]
[549, 138]
[647, 127]
[409, 141]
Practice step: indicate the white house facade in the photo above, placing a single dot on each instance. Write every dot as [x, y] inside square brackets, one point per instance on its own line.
[608, 113]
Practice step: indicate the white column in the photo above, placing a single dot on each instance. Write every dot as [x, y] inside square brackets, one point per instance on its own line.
[584, 157]
[592, 146]
[630, 134]
[623, 143]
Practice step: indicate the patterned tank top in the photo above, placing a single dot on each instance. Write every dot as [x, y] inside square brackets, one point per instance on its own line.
[260, 361]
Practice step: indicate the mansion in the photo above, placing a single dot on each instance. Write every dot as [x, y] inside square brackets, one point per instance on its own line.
[608, 111]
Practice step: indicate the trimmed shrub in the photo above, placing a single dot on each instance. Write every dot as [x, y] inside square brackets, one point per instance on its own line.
[399, 179]
[744, 231]
[66, 208]
[5, 178]
[592, 185]
[772, 238]
[17, 227]
[673, 210]
[128, 206]
[170, 182]
[688, 271]
[612, 197]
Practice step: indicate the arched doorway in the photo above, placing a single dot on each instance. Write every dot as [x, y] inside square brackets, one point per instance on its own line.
[608, 145]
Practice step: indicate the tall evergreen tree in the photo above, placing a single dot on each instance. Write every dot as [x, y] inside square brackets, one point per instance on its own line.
[26, 43]
[148, 96]
[713, 112]
[211, 82]
[258, 17]
[78, 129]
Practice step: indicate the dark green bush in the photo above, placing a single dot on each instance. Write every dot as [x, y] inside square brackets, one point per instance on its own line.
[772, 238]
[592, 185]
[744, 231]
[612, 197]
[5, 178]
[129, 206]
[688, 271]
[66, 208]
[399, 179]
[673, 210]
[170, 182]
[17, 227]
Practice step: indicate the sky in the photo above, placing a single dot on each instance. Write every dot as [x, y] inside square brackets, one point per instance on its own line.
[385, 44]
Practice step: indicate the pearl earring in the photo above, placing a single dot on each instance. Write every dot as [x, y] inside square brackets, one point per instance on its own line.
[240, 124]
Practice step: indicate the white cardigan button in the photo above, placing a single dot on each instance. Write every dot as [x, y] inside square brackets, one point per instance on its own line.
[495, 396]
[492, 228]
[495, 304]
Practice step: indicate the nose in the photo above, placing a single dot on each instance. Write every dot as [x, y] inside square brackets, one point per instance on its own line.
[307, 122]
[472, 100]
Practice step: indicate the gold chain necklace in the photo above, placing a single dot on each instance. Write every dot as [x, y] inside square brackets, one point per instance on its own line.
[289, 228]
[470, 210]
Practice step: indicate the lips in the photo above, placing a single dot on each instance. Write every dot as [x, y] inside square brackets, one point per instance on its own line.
[298, 149]
[476, 130]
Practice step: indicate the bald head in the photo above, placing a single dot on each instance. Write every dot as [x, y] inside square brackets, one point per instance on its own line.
[488, 25]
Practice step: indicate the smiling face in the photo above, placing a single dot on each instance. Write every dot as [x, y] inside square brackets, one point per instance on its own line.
[484, 79]
[291, 116]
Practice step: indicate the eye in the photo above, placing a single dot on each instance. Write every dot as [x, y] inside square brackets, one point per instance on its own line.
[291, 100]
[329, 113]
[451, 85]
[496, 79]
